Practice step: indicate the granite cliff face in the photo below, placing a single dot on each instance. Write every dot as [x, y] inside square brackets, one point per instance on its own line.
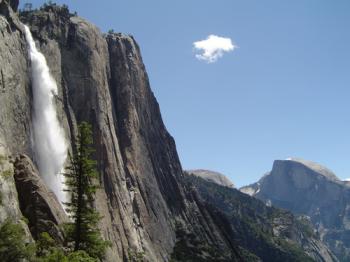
[306, 188]
[102, 80]
[37, 203]
[9, 204]
[146, 203]
[267, 233]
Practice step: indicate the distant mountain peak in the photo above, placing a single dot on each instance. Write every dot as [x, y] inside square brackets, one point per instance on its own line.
[310, 189]
[318, 168]
[212, 176]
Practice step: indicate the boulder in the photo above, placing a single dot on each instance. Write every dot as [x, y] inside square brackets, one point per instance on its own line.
[37, 203]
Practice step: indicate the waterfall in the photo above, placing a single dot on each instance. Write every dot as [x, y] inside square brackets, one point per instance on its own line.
[49, 144]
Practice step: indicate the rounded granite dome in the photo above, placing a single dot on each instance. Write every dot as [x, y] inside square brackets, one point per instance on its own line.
[212, 176]
[315, 167]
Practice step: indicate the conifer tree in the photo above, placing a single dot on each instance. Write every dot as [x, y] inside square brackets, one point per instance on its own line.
[13, 247]
[83, 232]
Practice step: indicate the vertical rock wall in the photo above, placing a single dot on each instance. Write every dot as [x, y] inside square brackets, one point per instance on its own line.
[102, 80]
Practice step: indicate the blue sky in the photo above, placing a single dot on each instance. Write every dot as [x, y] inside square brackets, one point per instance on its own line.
[284, 92]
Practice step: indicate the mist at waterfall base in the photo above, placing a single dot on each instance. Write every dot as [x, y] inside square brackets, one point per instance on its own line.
[49, 144]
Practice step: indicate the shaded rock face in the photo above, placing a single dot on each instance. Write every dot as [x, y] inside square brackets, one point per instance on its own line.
[144, 200]
[9, 206]
[268, 233]
[212, 176]
[12, 3]
[14, 114]
[314, 191]
[135, 213]
[37, 203]
[15, 94]
[102, 80]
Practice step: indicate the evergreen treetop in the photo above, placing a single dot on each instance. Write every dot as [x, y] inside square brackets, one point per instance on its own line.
[83, 231]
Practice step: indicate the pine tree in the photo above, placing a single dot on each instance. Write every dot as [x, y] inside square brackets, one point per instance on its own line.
[83, 232]
[13, 247]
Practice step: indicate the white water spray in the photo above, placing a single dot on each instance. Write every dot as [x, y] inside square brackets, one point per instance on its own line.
[49, 141]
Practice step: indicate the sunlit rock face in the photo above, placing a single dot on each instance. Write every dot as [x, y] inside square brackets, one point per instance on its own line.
[304, 187]
[212, 176]
[101, 79]
[145, 203]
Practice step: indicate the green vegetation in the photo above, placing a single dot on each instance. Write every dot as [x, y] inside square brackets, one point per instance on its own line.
[49, 6]
[83, 241]
[83, 232]
[248, 256]
[189, 247]
[6, 174]
[47, 251]
[80, 256]
[13, 247]
[2, 159]
[253, 223]
[294, 251]
[45, 244]
[305, 226]
[134, 256]
[25, 220]
[49, 3]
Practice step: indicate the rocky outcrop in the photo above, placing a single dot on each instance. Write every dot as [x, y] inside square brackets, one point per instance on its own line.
[135, 213]
[102, 80]
[9, 206]
[37, 203]
[269, 233]
[12, 3]
[212, 176]
[15, 94]
[146, 205]
[307, 188]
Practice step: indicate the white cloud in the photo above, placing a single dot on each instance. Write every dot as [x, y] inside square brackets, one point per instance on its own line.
[212, 48]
